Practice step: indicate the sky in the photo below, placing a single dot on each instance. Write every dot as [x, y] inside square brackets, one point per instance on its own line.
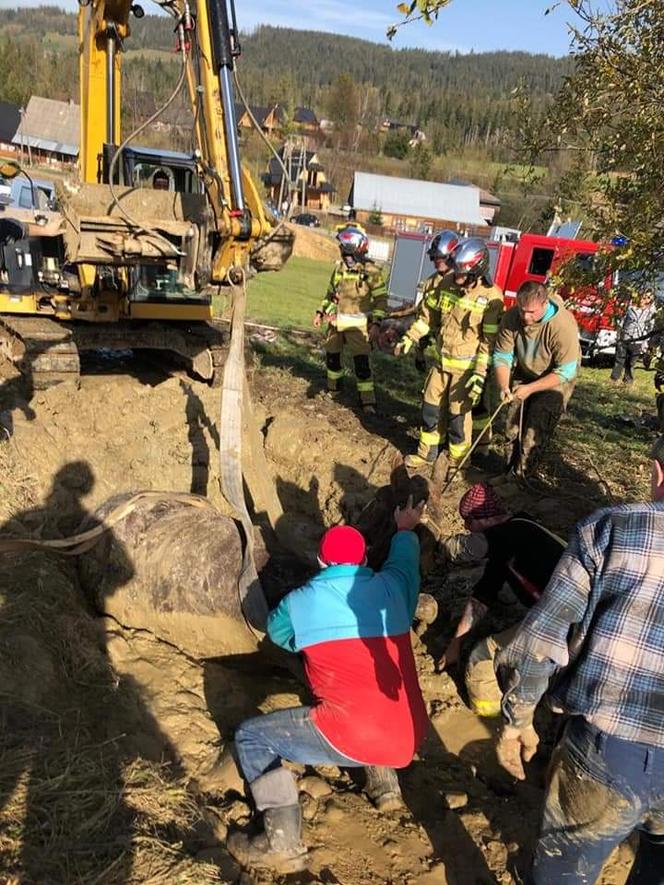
[465, 25]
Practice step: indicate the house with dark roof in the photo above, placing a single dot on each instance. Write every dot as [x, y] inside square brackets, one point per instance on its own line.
[270, 119]
[306, 121]
[308, 182]
[10, 120]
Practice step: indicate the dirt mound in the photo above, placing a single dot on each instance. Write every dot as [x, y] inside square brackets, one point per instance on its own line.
[309, 243]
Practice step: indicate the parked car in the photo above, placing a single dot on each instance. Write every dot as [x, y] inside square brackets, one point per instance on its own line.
[307, 219]
[38, 194]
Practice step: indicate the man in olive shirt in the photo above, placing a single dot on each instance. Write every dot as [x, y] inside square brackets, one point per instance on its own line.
[536, 358]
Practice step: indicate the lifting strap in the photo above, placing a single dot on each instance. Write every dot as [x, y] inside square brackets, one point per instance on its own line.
[252, 599]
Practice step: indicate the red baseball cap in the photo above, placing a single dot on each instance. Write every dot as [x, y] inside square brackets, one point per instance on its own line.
[342, 545]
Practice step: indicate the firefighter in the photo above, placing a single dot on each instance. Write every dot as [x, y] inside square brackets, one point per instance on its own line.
[537, 358]
[425, 310]
[353, 308]
[465, 320]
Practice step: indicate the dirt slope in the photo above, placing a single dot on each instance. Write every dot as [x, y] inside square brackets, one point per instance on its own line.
[111, 735]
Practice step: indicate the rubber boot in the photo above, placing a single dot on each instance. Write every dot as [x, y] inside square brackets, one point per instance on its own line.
[278, 847]
[453, 465]
[382, 787]
[424, 457]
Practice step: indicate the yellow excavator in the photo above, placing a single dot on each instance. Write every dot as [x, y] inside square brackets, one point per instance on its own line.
[134, 250]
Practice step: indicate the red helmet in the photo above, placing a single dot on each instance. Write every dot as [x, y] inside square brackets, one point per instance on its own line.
[353, 241]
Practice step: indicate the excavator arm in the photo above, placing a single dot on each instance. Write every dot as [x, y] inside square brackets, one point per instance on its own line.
[207, 46]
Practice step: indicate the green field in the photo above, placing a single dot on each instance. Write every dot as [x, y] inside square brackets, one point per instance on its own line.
[289, 298]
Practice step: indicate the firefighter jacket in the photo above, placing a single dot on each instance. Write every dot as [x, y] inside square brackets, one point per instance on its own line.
[464, 321]
[550, 345]
[359, 294]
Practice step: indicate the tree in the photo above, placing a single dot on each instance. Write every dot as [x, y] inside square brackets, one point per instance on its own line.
[396, 145]
[420, 161]
[343, 107]
[376, 216]
[607, 116]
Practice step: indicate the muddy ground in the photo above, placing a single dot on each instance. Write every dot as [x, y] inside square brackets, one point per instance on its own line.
[111, 735]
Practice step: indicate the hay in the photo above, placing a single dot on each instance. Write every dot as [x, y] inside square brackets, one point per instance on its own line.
[73, 808]
[18, 490]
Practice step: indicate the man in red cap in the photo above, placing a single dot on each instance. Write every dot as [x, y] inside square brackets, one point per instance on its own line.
[352, 626]
[518, 552]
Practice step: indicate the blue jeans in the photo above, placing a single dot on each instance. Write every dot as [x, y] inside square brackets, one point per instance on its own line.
[261, 743]
[600, 789]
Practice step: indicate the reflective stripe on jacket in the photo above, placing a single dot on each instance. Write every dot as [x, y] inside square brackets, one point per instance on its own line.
[465, 321]
[357, 290]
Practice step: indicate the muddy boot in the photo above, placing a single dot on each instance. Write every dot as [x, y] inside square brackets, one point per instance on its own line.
[418, 462]
[278, 848]
[382, 787]
[453, 468]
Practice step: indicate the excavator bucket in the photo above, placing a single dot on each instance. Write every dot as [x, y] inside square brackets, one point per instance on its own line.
[132, 226]
[273, 252]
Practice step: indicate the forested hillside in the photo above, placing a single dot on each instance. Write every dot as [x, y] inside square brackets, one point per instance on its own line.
[460, 100]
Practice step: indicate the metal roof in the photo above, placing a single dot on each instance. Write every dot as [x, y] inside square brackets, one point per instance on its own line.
[46, 144]
[51, 126]
[418, 199]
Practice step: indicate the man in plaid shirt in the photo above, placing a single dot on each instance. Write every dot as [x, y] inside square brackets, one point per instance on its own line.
[594, 643]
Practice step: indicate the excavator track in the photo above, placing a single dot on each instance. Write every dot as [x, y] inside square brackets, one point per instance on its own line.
[43, 350]
[47, 351]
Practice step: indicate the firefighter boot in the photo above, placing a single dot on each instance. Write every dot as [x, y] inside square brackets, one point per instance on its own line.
[365, 384]
[453, 467]
[427, 450]
[382, 787]
[335, 373]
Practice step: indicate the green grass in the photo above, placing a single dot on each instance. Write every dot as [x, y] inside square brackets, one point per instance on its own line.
[290, 297]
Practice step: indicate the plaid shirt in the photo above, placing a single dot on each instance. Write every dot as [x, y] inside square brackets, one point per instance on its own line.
[595, 640]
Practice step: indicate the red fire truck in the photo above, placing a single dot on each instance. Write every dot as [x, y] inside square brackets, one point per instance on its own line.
[530, 257]
[536, 257]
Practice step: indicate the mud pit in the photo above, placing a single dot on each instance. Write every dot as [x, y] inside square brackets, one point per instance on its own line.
[111, 734]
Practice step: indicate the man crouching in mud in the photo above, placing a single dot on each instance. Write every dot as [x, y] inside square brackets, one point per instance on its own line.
[595, 644]
[353, 627]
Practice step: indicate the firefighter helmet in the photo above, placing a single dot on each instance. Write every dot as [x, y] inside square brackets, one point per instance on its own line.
[471, 258]
[443, 244]
[353, 241]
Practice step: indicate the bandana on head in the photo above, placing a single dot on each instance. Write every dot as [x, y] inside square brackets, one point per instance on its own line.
[481, 502]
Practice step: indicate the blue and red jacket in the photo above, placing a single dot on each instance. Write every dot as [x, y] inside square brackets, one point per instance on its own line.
[353, 627]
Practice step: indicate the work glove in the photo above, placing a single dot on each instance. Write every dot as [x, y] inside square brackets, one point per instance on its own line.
[516, 745]
[475, 386]
[403, 346]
